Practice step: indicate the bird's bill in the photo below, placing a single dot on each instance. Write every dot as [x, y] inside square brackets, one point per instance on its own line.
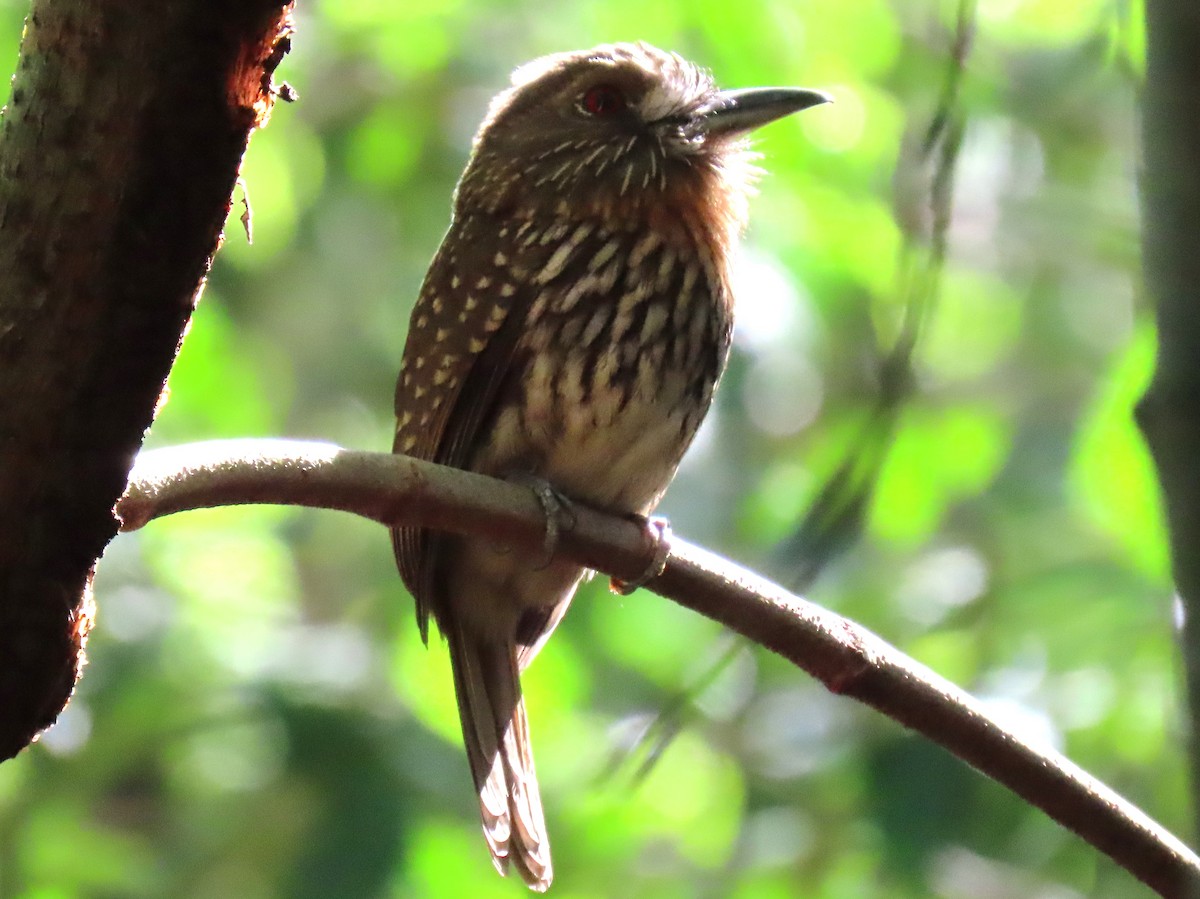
[737, 112]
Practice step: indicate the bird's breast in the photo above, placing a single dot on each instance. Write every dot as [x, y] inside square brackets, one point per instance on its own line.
[624, 343]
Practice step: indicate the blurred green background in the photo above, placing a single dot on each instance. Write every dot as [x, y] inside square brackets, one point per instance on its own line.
[258, 717]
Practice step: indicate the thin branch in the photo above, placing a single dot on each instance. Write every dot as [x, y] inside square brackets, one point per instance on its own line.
[846, 657]
[837, 515]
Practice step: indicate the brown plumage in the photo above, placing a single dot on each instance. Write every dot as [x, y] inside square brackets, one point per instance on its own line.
[571, 328]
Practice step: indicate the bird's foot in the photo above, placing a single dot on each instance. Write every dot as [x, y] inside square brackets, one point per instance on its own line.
[559, 512]
[658, 534]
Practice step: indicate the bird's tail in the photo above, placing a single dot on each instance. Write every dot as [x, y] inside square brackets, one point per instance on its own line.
[496, 734]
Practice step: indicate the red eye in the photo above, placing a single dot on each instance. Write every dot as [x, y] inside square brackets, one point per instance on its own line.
[602, 100]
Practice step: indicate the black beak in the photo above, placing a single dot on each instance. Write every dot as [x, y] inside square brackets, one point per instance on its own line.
[737, 112]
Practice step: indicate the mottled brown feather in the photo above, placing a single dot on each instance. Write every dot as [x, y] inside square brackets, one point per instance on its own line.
[480, 334]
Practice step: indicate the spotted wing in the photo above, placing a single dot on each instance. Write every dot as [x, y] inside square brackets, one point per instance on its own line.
[462, 333]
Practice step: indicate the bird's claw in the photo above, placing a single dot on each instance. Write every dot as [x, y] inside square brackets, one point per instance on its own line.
[658, 534]
[558, 511]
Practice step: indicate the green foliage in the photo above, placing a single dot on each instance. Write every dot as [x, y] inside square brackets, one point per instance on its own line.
[259, 718]
[1112, 473]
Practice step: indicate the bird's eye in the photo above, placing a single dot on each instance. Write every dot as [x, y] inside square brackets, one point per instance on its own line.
[602, 100]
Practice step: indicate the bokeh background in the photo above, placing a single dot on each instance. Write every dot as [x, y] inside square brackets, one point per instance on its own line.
[259, 718]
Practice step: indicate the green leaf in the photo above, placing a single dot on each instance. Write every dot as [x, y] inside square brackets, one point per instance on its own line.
[938, 458]
[1112, 476]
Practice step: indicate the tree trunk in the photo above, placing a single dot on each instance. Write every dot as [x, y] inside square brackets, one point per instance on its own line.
[1169, 413]
[119, 151]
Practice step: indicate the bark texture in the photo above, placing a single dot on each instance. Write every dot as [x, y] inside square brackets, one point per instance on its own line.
[119, 150]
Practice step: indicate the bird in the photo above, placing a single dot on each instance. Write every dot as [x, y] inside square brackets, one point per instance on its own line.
[570, 332]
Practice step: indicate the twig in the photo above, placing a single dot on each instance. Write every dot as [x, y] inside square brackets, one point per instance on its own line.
[844, 656]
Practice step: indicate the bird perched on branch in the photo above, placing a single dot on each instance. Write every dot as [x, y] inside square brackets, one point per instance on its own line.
[571, 329]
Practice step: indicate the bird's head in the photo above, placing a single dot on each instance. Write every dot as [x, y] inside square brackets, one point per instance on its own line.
[618, 132]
